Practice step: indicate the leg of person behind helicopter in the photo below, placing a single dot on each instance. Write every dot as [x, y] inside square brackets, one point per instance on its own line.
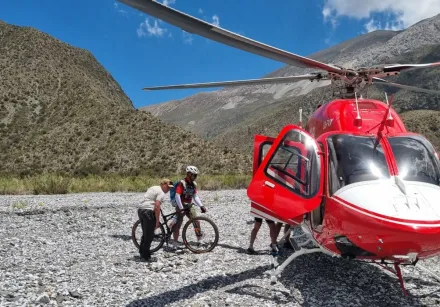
[254, 232]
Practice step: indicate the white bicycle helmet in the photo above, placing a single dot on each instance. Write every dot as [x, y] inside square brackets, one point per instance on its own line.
[192, 169]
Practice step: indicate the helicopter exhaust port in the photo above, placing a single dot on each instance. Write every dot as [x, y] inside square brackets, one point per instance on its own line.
[348, 249]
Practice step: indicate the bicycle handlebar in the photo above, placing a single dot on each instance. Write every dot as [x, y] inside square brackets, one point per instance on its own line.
[178, 211]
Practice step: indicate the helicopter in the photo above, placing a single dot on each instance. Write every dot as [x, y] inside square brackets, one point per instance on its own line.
[358, 184]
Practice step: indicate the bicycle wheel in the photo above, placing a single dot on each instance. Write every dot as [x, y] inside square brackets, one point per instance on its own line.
[158, 239]
[209, 232]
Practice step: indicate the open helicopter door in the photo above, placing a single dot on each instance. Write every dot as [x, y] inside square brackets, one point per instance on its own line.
[262, 145]
[289, 181]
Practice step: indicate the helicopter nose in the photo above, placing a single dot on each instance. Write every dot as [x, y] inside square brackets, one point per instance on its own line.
[395, 199]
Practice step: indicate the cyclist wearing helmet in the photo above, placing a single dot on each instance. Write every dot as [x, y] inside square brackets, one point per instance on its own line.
[186, 192]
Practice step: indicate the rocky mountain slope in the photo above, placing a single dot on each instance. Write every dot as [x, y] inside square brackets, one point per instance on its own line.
[233, 115]
[61, 111]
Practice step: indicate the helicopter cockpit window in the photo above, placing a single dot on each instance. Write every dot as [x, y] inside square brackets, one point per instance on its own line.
[295, 164]
[355, 159]
[415, 159]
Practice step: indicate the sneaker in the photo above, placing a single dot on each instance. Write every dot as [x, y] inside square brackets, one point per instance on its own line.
[176, 245]
[149, 259]
[274, 249]
[200, 238]
[251, 251]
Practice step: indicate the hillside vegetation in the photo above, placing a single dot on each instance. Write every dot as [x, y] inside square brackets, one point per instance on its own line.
[62, 112]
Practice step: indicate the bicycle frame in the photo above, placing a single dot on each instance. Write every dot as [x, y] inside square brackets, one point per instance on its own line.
[167, 217]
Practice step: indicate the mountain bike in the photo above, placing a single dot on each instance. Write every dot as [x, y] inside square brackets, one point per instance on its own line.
[161, 235]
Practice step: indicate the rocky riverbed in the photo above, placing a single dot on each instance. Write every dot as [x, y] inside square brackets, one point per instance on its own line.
[76, 250]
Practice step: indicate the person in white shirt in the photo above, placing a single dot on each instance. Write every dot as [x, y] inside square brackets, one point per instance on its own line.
[149, 215]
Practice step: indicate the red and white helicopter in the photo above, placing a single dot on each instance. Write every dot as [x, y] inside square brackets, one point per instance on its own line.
[355, 180]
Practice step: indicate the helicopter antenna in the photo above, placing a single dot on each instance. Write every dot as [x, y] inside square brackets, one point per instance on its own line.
[358, 119]
[390, 119]
[382, 125]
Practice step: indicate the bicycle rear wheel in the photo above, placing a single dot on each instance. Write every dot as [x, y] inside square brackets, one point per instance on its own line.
[209, 235]
[158, 239]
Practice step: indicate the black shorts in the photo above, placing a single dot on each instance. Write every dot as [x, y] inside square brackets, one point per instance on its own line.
[260, 220]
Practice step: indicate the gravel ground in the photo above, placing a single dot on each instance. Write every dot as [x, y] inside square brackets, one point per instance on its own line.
[75, 250]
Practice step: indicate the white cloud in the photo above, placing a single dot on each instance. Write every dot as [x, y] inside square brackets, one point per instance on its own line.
[146, 29]
[200, 11]
[187, 38]
[215, 21]
[327, 14]
[374, 25]
[168, 2]
[121, 11]
[403, 13]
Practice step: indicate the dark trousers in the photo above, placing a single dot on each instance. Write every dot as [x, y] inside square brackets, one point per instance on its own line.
[148, 221]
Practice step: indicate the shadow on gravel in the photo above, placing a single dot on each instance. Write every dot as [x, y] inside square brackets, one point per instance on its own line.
[323, 280]
[122, 237]
[280, 297]
[241, 250]
[211, 283]
[315, 280]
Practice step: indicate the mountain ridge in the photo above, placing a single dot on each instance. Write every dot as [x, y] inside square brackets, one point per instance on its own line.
[226, 110]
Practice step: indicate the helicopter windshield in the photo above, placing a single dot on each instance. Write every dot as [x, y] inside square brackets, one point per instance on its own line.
[415, 159]
[354, 159]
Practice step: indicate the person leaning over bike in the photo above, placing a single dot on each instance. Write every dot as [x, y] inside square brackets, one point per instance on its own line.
[186, 192]
[149, 215]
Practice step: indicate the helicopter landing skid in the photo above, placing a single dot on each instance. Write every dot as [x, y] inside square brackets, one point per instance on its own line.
[299, 250]
[399, 275]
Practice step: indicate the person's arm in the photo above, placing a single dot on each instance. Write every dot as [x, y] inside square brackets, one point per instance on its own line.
[197, 200]
[179, 201]
[179, 191]
[157, 213]
[199, 203]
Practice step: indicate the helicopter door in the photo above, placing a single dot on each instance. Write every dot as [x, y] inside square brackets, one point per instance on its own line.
[289, 181]
[262, 145]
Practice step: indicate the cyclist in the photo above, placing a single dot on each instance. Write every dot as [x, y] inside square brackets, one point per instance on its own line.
[186, 192]
[149, 215]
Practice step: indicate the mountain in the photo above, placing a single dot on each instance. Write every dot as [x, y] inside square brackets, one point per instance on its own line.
[231, 116]
[61, 111]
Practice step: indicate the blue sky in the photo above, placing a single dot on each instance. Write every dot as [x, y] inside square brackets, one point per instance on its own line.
[142, 52]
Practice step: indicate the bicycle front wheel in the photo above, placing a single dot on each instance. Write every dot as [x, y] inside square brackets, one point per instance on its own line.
[200, 235]
[158, 239]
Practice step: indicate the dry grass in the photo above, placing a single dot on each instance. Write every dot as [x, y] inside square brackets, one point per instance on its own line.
[59, 184]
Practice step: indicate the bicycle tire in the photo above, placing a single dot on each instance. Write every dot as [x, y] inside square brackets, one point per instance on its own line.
[200, 218]
[136, 242]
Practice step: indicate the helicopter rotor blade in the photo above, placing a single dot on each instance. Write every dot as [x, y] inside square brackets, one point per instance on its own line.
[193, 25]
[402, 86]
[408, 67]
[275, 80]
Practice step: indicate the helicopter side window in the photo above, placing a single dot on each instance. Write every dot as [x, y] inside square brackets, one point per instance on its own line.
[295, 164]
[264, 148]
[355, 159]
[414, 159]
